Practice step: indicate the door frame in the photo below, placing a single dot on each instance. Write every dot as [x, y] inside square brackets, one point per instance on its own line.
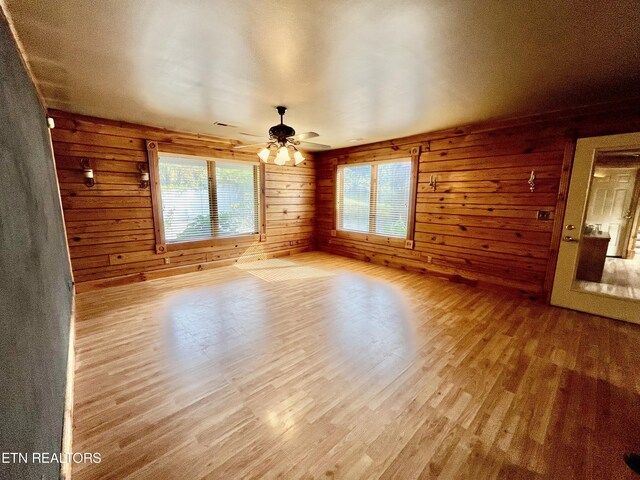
[635, 217]
[562, 293]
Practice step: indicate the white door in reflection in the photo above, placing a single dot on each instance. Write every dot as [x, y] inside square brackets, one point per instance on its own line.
[610, 204]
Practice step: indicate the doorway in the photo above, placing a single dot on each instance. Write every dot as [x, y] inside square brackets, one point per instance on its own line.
[598, 269]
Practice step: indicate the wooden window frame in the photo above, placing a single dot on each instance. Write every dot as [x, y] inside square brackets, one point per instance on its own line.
[404, 242]
[161, 244]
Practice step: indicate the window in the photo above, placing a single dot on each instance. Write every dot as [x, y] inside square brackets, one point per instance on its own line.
[374, 198]
[203, 199]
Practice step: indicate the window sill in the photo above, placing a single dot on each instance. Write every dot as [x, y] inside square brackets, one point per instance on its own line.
[372, 238]
[213, 242]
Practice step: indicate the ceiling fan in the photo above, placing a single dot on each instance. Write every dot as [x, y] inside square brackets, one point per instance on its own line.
[282, 139]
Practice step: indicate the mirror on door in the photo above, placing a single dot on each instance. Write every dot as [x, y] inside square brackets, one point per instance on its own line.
[609, 255]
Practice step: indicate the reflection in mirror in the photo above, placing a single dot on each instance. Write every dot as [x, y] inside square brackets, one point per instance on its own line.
[609, 254]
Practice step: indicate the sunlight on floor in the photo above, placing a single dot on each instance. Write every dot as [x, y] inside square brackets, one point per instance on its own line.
[277, 270]
[254, 264]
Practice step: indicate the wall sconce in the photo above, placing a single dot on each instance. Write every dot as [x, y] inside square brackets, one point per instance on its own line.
[532, 181]
[87, 172]
[144, 175]
[433, 182]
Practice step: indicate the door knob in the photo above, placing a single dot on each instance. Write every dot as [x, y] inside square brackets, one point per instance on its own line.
[569, 238]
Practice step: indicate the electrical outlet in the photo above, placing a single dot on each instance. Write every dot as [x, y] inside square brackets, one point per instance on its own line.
[263, 237]
[333, 233]
[544, 215]
[408, 244]
[167, 261]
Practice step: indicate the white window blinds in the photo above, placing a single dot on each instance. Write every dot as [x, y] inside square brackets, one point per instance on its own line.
[392, 199]
[238, 191]
[374, 198]
[354, 198]
[204, 199]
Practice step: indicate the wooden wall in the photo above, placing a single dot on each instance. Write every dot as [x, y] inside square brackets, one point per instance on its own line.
[110, 226]
[480, 225]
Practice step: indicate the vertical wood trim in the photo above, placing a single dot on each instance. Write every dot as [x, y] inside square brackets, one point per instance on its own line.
[334, 194]
[633, 228]
[67, 426]
[262, 173]
[373, 198]
[558, 224]
[156, 198]
[62, 210]
[413, 194]
[213, 199]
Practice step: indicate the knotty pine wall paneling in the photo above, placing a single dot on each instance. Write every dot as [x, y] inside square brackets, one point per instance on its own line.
[480, 225]
[110, 225]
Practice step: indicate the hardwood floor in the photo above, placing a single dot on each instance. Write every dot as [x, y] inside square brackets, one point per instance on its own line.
[620, 278]
[318, 366]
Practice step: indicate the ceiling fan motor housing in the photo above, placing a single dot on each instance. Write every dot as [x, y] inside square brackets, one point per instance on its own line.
[281, 132]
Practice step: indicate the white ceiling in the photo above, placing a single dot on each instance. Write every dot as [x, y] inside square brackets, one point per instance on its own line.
[367, 70]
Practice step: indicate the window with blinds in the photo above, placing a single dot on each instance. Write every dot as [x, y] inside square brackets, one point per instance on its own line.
[203, 199]
[374, 198]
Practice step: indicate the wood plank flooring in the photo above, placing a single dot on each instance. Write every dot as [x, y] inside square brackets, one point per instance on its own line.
[620, 278]
[318, 366]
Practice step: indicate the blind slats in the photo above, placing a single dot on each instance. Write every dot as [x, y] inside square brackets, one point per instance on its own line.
[392, 199]
[237, 198]
[354, 198]
[374, 198]
[204, 199]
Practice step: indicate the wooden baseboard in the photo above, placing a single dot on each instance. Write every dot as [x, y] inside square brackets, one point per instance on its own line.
[448, 274]
[154, 274]
[67, 426]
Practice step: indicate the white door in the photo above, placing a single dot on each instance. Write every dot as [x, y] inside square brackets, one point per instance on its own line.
[566, 291]
[609, 205]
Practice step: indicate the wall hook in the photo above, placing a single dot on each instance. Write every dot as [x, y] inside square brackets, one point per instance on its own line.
[532, 181]
[433, 182]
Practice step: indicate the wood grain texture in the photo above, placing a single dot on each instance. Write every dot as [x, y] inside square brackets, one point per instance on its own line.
[319, 366]
[110, 227]
[480, 225]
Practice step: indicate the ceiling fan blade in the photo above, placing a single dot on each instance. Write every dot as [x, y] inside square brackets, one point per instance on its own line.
[315, 145]
[250, 146]
[305, 135]
[250, 134]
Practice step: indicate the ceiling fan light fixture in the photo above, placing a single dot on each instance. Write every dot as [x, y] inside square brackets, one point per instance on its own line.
[264, 154]
[282, 157]
[283, 139]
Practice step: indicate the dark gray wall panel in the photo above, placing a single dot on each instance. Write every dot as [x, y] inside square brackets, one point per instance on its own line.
[35, 280]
